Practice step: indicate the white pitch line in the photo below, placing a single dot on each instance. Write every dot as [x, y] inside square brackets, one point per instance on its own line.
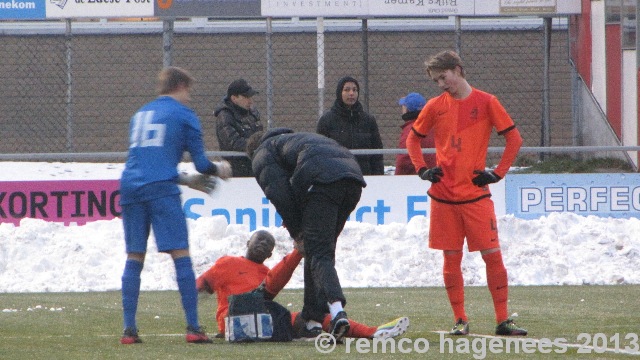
[143, 335]
[535, 340]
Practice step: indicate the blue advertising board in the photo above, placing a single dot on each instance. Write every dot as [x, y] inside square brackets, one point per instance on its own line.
[22, 9]
[604, 195]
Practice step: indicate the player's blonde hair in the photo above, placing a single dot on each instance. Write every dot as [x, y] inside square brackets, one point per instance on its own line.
[444, 60]
[170, 78]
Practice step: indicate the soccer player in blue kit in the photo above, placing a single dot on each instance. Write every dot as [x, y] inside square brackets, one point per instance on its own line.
[160, 132]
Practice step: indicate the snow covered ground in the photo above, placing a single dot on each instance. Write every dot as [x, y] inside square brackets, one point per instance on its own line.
[561, 249]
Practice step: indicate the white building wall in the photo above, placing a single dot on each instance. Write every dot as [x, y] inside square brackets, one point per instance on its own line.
[598, 54]
[630, 102]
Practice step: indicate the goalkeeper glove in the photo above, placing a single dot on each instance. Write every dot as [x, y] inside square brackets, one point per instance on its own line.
[434, 174]
[223, 169]
[201, 182]
[485, 178]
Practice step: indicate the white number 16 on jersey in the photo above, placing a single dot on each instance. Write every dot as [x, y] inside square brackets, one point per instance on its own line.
[144, 133]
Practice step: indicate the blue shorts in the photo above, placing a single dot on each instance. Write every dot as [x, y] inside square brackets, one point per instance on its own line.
[166, 217]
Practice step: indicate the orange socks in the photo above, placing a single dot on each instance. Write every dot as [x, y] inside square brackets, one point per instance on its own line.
[356, 329]
[454, 283]
[498, 284]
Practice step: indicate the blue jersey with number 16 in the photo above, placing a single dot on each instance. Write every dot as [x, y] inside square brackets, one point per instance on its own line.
[159, 133]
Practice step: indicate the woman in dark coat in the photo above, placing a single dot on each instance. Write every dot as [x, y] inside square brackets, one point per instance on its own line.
[352, 127]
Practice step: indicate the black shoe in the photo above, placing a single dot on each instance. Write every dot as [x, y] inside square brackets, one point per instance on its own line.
[309, 334]
[461, 327]
[301, 332]
[339, 326]
[509, 328]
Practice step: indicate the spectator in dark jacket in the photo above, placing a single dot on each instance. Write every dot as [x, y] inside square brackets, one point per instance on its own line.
[314, 184]
[412, 104]
[236, 121]
[348, 124]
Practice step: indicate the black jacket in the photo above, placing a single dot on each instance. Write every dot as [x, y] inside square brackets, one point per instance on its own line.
[287, 164]
[234, 125]
[353, 128]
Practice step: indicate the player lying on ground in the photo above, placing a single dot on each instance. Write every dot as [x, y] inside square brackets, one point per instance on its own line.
[233, 275]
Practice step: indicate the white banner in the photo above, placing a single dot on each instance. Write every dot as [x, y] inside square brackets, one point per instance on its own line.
[417, 8]
[385, 200]
[98, 8]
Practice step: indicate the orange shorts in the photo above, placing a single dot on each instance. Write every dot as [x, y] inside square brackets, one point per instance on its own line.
[451, 223]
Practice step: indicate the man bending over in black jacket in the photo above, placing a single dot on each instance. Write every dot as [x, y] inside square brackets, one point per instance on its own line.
[314, 184]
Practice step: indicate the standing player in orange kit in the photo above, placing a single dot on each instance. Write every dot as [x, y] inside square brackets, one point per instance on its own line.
[462, 119]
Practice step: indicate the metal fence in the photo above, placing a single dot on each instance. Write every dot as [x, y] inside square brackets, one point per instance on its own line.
[71, 87]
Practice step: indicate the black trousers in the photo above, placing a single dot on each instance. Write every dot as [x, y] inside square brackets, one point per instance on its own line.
[325, 212]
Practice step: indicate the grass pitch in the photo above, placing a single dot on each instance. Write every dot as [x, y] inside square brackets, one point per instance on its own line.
[580, 322]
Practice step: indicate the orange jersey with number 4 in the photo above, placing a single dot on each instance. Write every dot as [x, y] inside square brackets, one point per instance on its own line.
[462, 130]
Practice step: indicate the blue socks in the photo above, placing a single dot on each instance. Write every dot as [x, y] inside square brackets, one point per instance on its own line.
[187, 287]
[130, 292]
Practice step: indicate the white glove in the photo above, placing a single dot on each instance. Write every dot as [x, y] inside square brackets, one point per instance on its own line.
[201, 182]
[223, 169]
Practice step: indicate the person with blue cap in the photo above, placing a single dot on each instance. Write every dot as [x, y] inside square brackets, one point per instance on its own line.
[412, 104]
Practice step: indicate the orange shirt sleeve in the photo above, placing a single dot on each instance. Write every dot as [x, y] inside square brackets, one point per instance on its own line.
[514, 142]
[206, 281]
[504, 126]
[419, 130]
[280, 274]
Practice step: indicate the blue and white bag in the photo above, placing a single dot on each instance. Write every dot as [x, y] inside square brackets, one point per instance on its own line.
[248, 319]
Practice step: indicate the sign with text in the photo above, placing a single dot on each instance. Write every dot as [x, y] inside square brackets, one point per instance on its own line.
[314, 8]
[422, 8]
[517, 7]
[385, 200]
[99, 8]
[607, 195]
[67, 201]
[61, 9]
[527, 7]
[22, 9]
[209, 8]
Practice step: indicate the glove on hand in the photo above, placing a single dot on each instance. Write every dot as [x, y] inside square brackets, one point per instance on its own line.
[485, 178]
[262, 289]
[223, 169]
[201, 182]
[434, 174]
[298, 244]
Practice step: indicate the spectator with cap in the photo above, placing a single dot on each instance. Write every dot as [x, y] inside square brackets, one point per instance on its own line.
[236, 121]
[412, 104]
